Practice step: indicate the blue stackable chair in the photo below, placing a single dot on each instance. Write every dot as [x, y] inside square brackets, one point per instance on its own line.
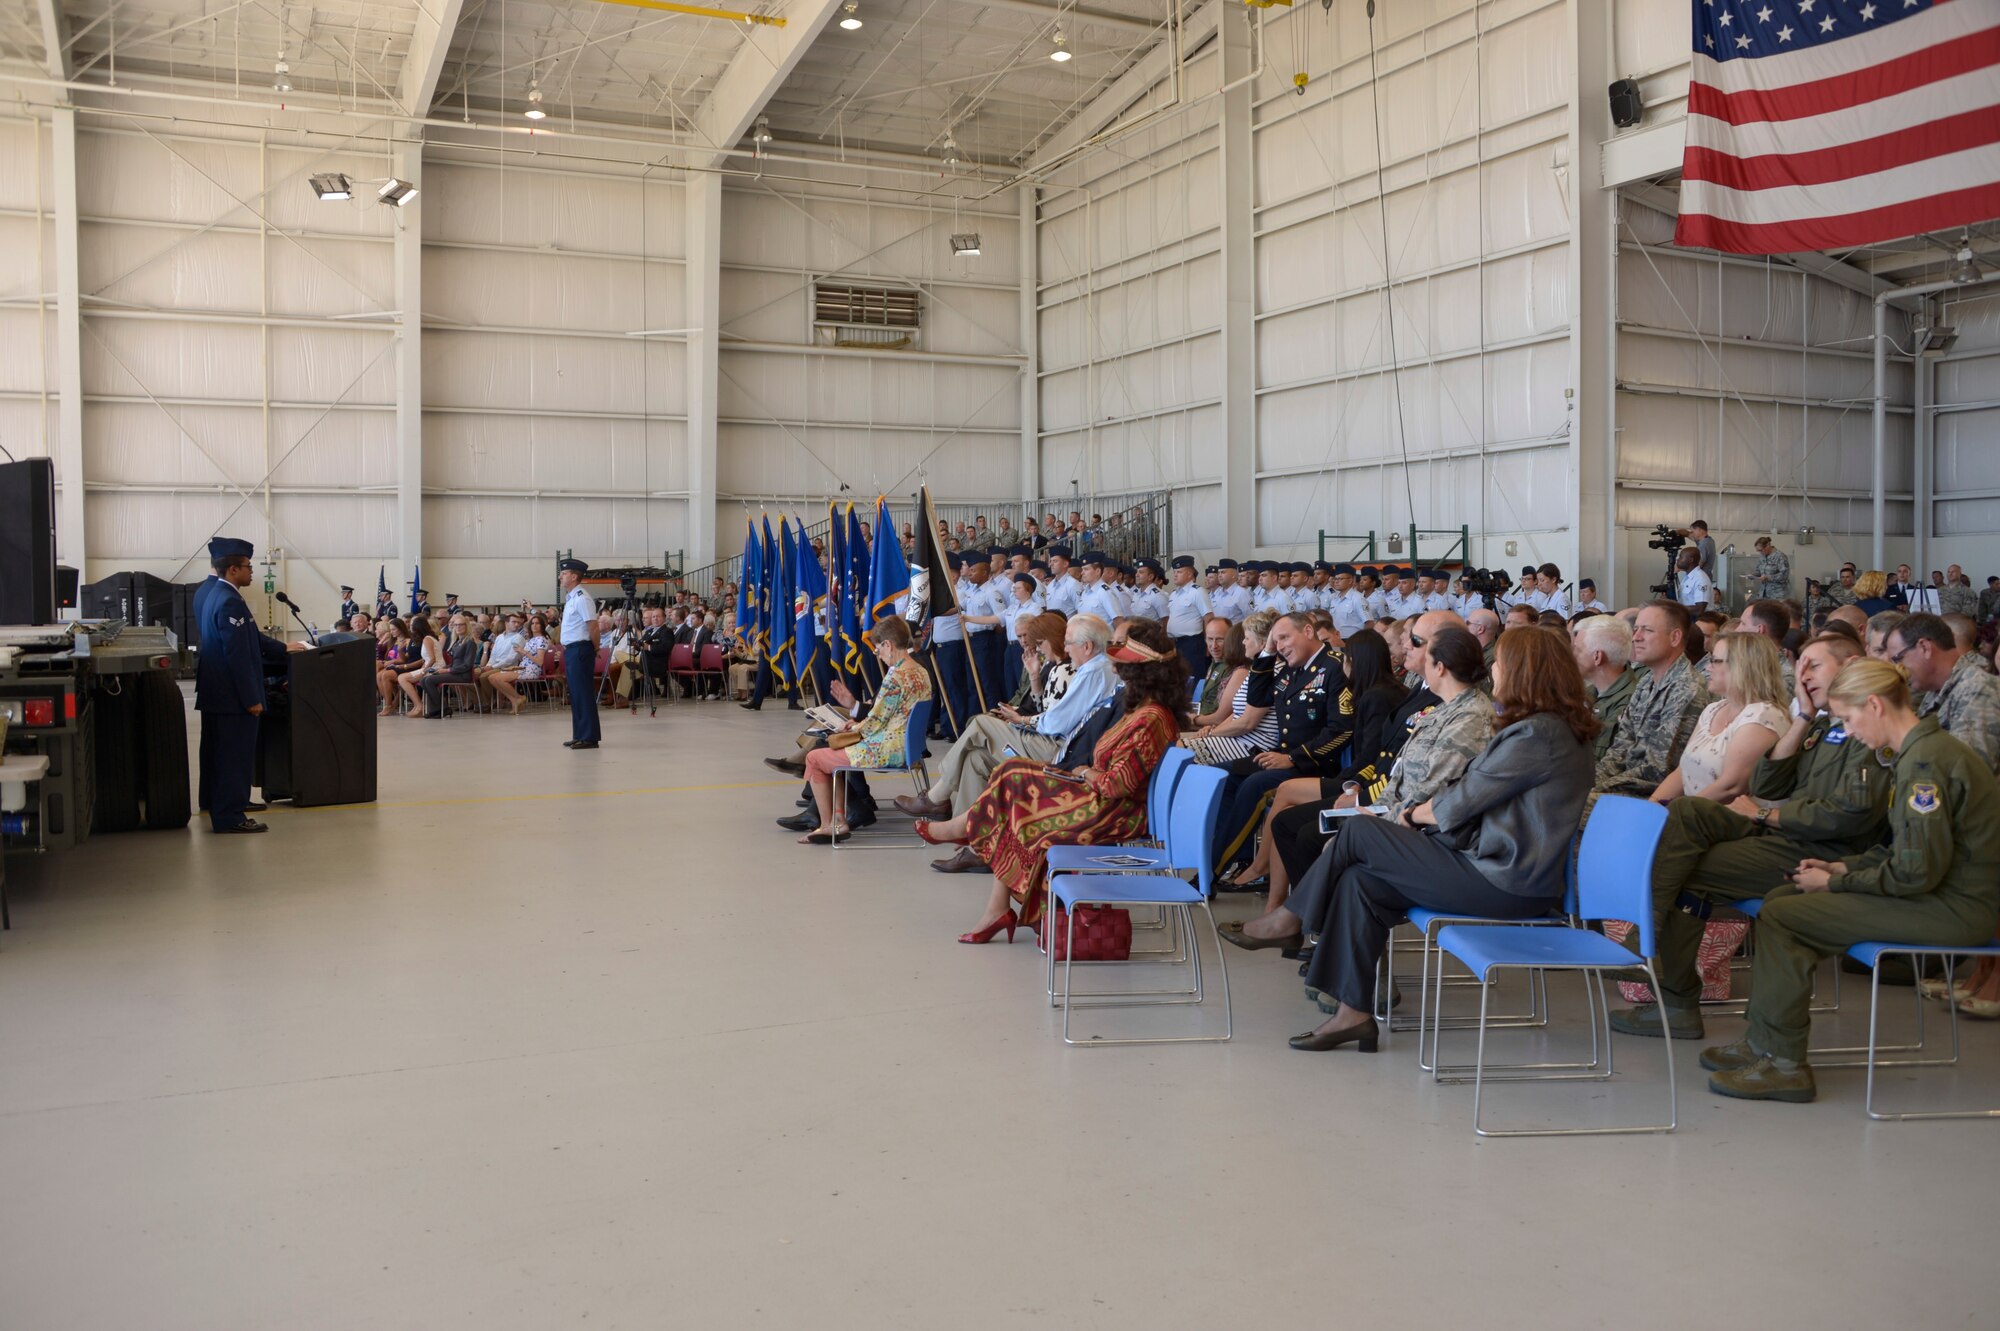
[914, 754]
[1197, 806]
[1871, 955]
[1614, 867]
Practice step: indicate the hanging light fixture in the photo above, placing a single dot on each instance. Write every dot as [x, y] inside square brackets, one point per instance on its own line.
[966, 246]
[1965, 268]
[396, 193]
[1062, 52]
[535, 111]
[851, 21]
[332, 187]
[953, 158]
[283, 81]
[761, 135]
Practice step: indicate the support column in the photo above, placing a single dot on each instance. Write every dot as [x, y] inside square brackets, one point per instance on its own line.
[1923, 470]
[1239, 292]
[68, 451]
[409, 261]
[704, 312]
[1031, 347]
[1593, 284]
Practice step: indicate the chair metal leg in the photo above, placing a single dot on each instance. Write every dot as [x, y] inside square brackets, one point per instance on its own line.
[1195, 994]
[1875, 1048]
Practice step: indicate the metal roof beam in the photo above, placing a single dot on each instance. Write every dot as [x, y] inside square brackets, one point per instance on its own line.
[761, 66]
[429, 45]
[55, 40]
[1146, 73]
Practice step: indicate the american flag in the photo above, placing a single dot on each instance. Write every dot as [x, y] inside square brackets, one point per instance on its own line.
[1827, 124]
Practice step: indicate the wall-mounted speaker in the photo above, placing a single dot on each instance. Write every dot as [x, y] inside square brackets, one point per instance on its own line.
[1628, 108]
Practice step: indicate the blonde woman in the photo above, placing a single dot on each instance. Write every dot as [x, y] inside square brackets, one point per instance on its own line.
[1935, 882]
[1870, 593]
[1746, 675]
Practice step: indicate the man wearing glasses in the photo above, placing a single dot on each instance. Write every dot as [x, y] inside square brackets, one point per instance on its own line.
[1955, 685]
[229, 686]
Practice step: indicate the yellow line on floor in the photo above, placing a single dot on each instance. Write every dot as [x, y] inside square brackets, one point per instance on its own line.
[556, 795]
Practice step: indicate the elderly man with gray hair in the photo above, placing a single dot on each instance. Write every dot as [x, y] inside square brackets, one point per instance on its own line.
[990, 739]
[1603, 648]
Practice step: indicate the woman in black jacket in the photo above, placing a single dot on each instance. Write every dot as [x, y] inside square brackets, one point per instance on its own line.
[1494, 844]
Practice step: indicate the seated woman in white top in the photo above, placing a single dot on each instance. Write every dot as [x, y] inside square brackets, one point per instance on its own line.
[1746, 674]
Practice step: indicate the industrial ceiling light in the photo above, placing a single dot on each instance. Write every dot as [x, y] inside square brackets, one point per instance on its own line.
[1965, 269]
[535, 111]
[965, 247]
[762, 134]
[283, 82]
[332, 187]
[953, 158]
[396, 193]
[1062, 52]
[851, 22]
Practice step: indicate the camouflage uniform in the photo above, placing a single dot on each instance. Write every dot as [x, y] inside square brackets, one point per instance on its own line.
[1989, 604]
[1968, 708]
[1957, 599]
[1652, 731]
[1837, 595]
[1609, 704]
[1772, 579]
[1831, 799]
[1442, 743]
[1936, 883]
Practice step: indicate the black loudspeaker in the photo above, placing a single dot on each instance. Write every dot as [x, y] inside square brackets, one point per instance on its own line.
[66, 579]
[1627, 106]
[28, 542]
[136, 598]
[108, 598]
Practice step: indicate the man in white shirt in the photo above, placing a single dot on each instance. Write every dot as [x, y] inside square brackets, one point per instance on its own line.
[1148, 600]
[1062, 592]
[1097, 599]
[1269, 595]
[1692, 585]
[1230, 599]
[1440, 593]
[982, 608]
[579, 645]
[1412, 604]
[1347, 606]
[1187, 613]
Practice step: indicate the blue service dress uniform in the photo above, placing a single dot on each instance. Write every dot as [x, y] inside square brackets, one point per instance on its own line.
[229, 681]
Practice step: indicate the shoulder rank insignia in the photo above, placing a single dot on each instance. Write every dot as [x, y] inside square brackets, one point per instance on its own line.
[1923, 797]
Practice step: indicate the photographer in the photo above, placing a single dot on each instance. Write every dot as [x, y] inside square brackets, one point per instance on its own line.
[1704, 546]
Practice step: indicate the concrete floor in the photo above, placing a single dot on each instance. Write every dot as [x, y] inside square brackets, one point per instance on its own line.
[549, 1039]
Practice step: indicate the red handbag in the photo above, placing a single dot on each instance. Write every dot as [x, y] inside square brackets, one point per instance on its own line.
[1103, 933]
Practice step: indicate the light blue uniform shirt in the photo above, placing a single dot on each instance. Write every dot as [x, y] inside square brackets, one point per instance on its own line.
[1089, 685]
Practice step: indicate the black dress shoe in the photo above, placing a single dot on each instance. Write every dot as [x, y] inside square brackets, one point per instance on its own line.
[247, 825]
[800, 822]
[751, 706]
[255, 806]
[857, 818]
[1249, 943]
[789, 766]
[1364, 1037]
[584, 744]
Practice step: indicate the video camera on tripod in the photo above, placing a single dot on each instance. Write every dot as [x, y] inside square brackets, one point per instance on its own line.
[1485, 584]
[1666, 539]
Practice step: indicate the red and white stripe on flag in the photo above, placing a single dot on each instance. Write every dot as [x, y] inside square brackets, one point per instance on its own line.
[1827, 124]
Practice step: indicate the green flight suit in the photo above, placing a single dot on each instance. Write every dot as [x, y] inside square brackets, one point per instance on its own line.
[1607, 705]
[1830, 798]
[1937, 884]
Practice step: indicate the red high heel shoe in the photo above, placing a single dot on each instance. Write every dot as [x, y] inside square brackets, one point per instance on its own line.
[1009, 921]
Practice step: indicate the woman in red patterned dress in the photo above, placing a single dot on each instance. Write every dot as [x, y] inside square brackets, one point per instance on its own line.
[1029, 806]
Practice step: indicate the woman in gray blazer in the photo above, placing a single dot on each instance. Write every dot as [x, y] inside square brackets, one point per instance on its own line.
[1494, 844]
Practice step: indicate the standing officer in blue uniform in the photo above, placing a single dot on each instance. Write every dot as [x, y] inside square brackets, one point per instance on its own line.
[349, 607]
[229, 686]
[954, 664]
[579, 645]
